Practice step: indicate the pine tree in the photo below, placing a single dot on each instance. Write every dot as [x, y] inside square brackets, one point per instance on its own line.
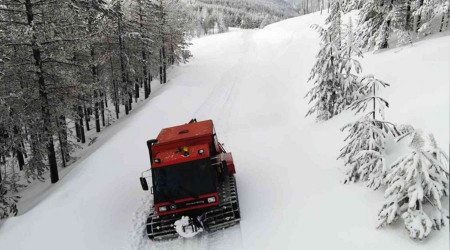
[418, 178]
[333, 73]
[364, 153]
[376, 23]
[40, 43]
[349, 66]
[349, 5]
[431, 16]
[325, 94]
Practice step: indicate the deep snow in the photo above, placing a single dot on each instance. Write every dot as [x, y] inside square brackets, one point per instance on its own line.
[251, 83]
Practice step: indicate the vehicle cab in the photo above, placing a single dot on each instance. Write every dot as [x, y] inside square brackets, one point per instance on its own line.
[187, 162]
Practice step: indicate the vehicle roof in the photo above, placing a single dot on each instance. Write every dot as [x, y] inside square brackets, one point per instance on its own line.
[186, 131]
[172, 156]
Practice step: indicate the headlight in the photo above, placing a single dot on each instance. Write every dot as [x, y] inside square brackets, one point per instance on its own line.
[162, 209]
[211, 199]
[200, 151]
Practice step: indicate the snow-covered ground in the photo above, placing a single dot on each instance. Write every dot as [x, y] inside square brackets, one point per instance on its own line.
[251, 83]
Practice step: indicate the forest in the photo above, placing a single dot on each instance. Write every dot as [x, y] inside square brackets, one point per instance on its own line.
[64, 76]
[416, 183]
[216, 16]
[70, 66]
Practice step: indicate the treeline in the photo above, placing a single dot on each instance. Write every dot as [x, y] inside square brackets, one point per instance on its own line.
[310, 6]
[382, 22]
[62, 63]
[215, 16]
[416, 183]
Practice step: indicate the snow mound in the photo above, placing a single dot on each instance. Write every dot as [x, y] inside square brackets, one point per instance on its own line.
[184, 230]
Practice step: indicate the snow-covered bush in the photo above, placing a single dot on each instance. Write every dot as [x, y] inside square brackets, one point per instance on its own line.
[417, 223]
[417, 178]
[8, 202]
[363, 154]
[8, 205]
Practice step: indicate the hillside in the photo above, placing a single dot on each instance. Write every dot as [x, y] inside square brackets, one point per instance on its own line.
[252, 84]
[247, 14]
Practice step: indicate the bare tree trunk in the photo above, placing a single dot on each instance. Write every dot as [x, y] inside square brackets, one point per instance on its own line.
[96, 112]
[130, 100]
[116, 99]
[77, 126]
[102, 111]
[43, 96]
[160, 67]
[321, 6]
[164, 64]
[150, 79]
[105, 96]
[408, 16]
[18, 149]
[80, 114]
[61, 145]
[64, 137]
[125, 80]
[115, 91]
[86, 117]
[126, 103]
[136, 91]
[63, 158]
[419, 17]
[443, 23]
[144, 57]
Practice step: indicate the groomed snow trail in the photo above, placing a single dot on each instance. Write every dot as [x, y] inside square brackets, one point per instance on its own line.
[251, 83]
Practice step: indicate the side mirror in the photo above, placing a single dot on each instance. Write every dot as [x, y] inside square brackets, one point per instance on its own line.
[144, 183]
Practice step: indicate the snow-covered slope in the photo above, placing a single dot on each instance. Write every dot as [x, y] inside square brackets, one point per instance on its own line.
[251, 83]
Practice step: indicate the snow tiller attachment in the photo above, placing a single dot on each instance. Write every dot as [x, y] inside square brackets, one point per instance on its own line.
[193, 182]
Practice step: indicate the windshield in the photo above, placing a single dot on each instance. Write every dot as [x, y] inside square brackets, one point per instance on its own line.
[188, 179]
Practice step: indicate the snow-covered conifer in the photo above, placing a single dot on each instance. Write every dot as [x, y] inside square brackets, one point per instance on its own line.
[417, 179]
[363, 154]
[326, 94]
[333, 74]
[57, 70]
[431, 16]
[349, 65]
[375, 24]
[8, 201]
[349, 5]
[380, 19]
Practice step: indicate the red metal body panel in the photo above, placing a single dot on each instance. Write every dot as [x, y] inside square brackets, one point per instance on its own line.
[228, 158]
[192, 134]
[185, 132]
[175, 156]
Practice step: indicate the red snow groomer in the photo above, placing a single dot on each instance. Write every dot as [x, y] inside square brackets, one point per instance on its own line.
[193, 182]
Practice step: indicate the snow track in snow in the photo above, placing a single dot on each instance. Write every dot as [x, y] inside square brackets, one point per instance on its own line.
[218, 106]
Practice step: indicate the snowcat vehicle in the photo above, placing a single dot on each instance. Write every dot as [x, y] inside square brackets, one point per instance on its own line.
[193, 183]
